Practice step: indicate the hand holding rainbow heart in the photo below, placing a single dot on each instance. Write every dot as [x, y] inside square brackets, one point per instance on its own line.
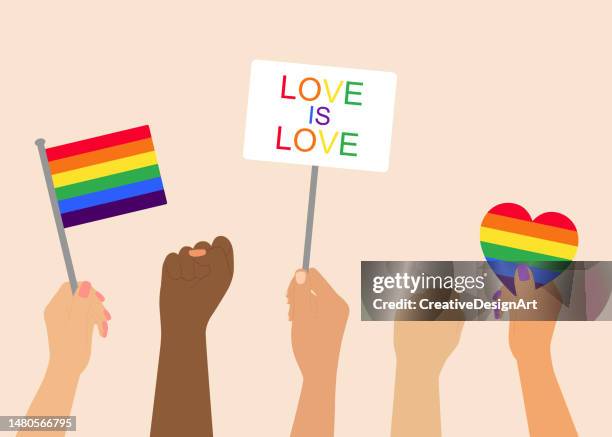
[509, 238]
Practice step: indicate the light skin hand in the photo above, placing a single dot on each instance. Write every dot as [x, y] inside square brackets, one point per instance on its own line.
[194, 282]
[318, 315]
[530, 341]
[70, 320]
[421, 348]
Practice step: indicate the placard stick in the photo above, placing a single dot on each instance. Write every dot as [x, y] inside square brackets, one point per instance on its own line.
[61, 232]
[314, 174]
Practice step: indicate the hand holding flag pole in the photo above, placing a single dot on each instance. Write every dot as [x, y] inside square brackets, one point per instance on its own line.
[61, 232]
[99, 178]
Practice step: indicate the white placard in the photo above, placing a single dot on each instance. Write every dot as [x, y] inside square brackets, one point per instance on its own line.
[315, 115]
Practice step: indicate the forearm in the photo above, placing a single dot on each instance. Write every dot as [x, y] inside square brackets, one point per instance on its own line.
[54, 397]
[547, 413]
[316, 407]
[416, 403]
[182, 396]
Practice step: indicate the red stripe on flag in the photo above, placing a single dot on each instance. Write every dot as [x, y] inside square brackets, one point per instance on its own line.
[511, 210]
[557, 220]
[97, 143]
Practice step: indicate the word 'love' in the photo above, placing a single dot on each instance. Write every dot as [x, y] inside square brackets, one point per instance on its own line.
[312, 95]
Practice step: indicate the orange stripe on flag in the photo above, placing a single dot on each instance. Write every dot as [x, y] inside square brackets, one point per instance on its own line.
[537, 230]
[102, 155]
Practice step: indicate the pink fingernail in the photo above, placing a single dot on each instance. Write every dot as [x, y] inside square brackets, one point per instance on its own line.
[100, 296]
[84, 290]
[104, 329]
[107, 315]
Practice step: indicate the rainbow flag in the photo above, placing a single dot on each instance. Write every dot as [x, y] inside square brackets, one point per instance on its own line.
[106, 176]
[509, 237]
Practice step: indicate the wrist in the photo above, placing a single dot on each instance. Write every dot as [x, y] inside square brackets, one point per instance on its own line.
[323, 376]
[534, 362]
[418, 369]
[179, 342]
[62, 374]
[418, 381]
[183, 331]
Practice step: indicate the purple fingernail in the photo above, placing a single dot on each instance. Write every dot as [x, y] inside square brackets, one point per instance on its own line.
[497, 294]
[523, 272]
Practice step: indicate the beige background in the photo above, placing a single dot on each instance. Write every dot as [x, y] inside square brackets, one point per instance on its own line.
[497, 101]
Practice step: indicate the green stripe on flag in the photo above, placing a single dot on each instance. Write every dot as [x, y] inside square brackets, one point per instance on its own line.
[516, 255]
[106, 182]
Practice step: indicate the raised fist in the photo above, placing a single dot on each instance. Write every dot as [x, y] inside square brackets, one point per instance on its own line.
[193, 283]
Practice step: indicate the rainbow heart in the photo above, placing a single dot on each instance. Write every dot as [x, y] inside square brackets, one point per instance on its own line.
[509, 237]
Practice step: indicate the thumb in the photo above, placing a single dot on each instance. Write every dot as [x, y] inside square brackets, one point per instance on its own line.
[301, 308]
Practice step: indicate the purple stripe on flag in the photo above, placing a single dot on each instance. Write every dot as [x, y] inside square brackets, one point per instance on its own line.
[113, 209]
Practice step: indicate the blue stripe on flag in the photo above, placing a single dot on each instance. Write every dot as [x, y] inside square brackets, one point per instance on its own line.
[110, 195]
[506, 268]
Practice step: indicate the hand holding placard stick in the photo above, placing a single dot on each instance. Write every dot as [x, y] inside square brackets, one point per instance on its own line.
[318, 316]
[296, 115]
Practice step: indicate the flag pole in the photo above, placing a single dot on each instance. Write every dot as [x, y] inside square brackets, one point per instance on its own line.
[314, 175]
[61, 232]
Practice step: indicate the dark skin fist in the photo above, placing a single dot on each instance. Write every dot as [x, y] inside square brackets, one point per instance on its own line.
[193, 284]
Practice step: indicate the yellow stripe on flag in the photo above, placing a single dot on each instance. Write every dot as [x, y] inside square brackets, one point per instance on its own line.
[525, 242]
[104, 169]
